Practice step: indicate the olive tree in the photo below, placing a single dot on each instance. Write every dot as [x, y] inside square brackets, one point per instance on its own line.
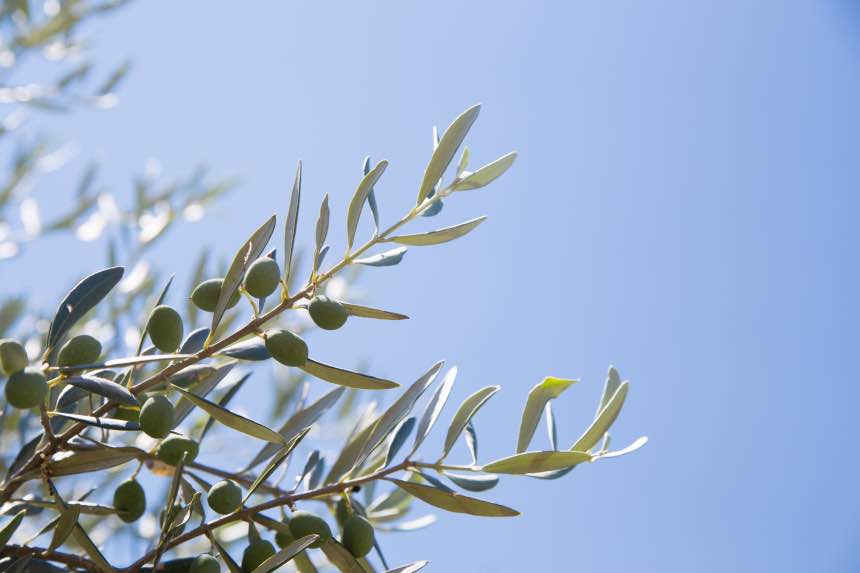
[93, 422]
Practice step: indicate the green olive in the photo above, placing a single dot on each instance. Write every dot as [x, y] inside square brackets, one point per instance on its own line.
[26, 388]
[306, 523]
[205, 563]
[326, 313]
[257, 552]
[284, 538]
[225, 496]
[156, 416]
[82, 349]
[205, 295]
[357, 536]
[262, 278]
[170, 450]
[129, 499]
[286, 347]
[165, 328]
[13, 357]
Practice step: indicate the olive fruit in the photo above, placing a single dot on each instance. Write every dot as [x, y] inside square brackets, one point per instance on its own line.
[165, 328]
[357, 536]
[13, 357]
[284, 538]
[286, 347]
[82, 349]
[156, 416]
[205, 563]
[326, 313]
[26, 388]
[170, 450]
[343, 511]
[306, 523]
[205, 295]
[225, 496]
[262, 278]
[129, 500]
[256, 552]
[127, 413]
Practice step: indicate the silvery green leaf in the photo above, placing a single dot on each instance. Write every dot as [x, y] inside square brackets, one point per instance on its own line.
[356, 205]
[434, 408]
[191, 375]
[302, 419]
[292, 223]
[69, 396]
[105, 423]
[275, 462]
[340, 557]
[247, 254]
[535, 462]
[348, 456]
[348, 378]
[433, 208]
[386, 259]
[183, 407]
[65, 524]
[322, 228]
[638, 443]
[468, 408]
[452, 501]
[411, 568]
[193, 343]
[472, 441]
[398, 410]
[613, 381]
[81, 299]
[84, 461]
[445, 151]
[486, 174]
[604, 420]
[540, 395]
[369, 312]
[105, 388]
[551, 426]
[400, 434]
[90, 548]
[321, 256]
[371, 199]
[463, 164]
[119, 362]
[310, 465]
[439, 236]
[316, 474]
[285, 554]
[25, 453]
[8, 530]
[86, 508]
[225, 399]
[231, 419]
[252, 349]
[474, 482]
[434, 482]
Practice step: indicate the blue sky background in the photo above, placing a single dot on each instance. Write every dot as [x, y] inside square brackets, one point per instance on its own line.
[684, 206]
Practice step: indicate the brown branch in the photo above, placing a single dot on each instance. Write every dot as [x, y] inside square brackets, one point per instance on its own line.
[56, 556]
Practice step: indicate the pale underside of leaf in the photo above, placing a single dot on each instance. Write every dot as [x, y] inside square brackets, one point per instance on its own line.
[438, 236]
[454, 502]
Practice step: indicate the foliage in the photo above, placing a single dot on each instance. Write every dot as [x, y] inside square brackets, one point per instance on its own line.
[152, 408]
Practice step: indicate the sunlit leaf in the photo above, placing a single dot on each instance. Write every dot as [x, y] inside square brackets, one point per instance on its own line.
[343, 377]
[225, 399]
[90, 548]
[474, 482]
[638, 443]
[292, 223]
[321, 230]
[275, 462]
[104, 387]
[445, 151]
[411, 568]
[439, 236]
[486, 174]
[81, 299]
[340, 557]
[399, 437]
[105, 423]
[548, 389]
[83, 461]
[356, 205]
[434, 408]
[369, 312]
[231, 419]
[386, 259]
[452, 501]
[533, 462]
[285, 554]
[604, 420]
[65, 525]
[468, 408]
[183, 407]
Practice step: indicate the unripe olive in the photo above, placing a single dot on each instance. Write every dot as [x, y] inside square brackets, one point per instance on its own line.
[170, 450]
[306, 523]
[357, 536]
[326, 313]
[257, 552]
[205, 563]
[165, 328]
[82, 349]
[262, 278]
[284, 538]
[156, 416]
[343, 511]
[26, 388]
[13, 357]
[129, 499]
[225, 496]
[286, 347]
[205, 295]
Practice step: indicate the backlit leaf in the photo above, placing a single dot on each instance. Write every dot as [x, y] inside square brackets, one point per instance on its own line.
[292, 223]
[356, 205]
[452, 501]
[386, 259]
[445, 151]
[105, 423]
[439, 236]
[468, 408]
[604, 420]
[486, 174]
[285, 554]
[548, 389]
[534, 462]
[81, 299]
[231, 419]
[369, 312]
[340, 557]
[275, 462]
[343, 377]
[104, 387]
[434, 408]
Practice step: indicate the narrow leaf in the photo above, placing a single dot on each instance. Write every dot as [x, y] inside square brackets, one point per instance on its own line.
[371, 199]
[439, 236]
[356, 205]
[534, 462]
[253, 349]
[474, 482]
[232, 420]
[369, 312]
[346, 378]
[445, 151]
[386, 259]
[452, 501]
[340, 557]
[285, 554]
[104, 387]
[411, 568]
[223, 403]
[105, 423]
[548, 389]
[434, 408]
[9, 528]
[472, 441]
[468, 408]
[83, 461]
[604, 420]
[275, 462]
[65, 525]
[81, 299]
[638, 443]
[400, 435]
[486, 174]
[90, 548]
[292, 223]
[321, 230]
[183, 407]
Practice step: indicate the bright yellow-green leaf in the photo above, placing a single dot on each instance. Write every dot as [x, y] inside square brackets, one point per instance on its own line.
[548, 389]
[534, 462]
[438, 236]
[452, 501]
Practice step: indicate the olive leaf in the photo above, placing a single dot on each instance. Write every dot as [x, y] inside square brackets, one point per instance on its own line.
[637, 443]
[438, 236]
[83, 297]
[104, 387]
[99, 422]
[252, 349]
[355, 443]
[369, 312]
[485, 175]
[225, 399]
[25, 453]
[386, 259]
[603, 421]
[275, 462]
[551, 428]
[473, 482]
[434, 408]
[83, 461]
[411, 568]
[285, 554]
[411, 525]
[356, 205]
[65, 525]
[445, 151]
[534, 462]
[321, 232]
[119, 362]
[183, 407]
[346, 378]
[452, 501]
[231, 564]
[232, 420]
[371, 198]
[613, 381]
[472, 441]
[8, 530]
[194, 341]
[548, 389]
[90, 548]
[340, 557]
[292, 223]
[467, 409]
[247, 254]
[399, 437]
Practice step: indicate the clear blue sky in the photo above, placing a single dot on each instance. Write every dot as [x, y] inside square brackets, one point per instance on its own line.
[684, 207]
